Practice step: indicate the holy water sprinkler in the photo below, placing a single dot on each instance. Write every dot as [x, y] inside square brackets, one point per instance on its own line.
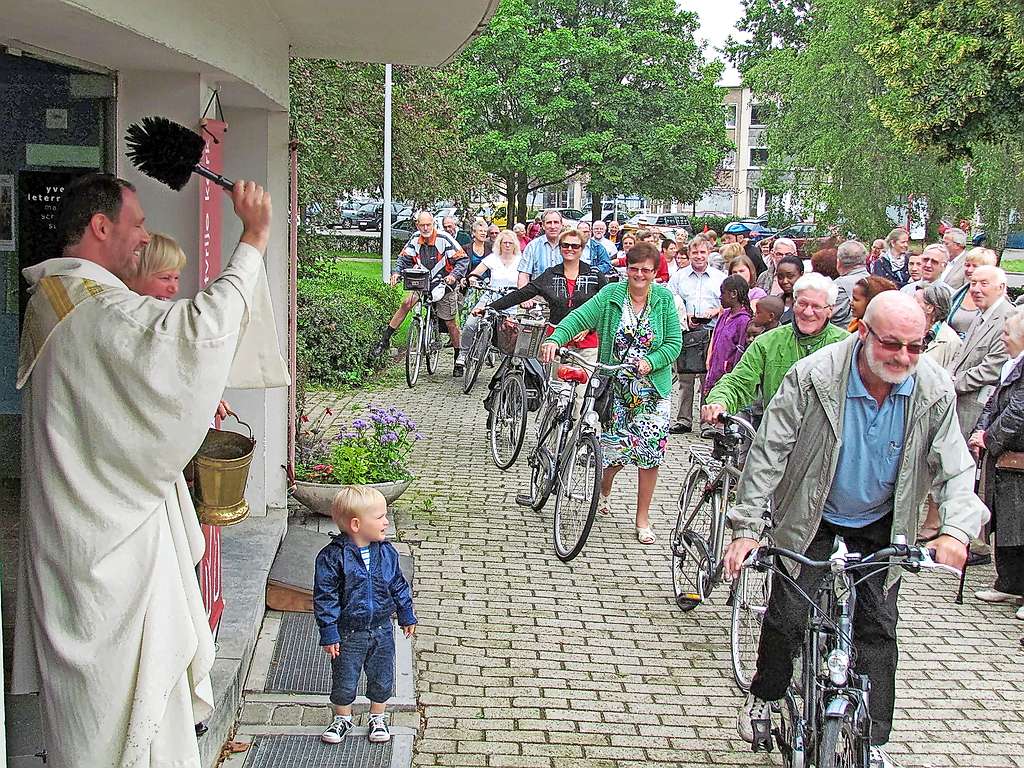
[168, 152]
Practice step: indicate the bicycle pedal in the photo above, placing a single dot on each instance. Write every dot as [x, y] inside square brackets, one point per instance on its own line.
[762, 735]
[524, 500]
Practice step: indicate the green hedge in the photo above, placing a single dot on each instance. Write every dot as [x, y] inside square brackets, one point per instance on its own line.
[716, 223]
[339, 318]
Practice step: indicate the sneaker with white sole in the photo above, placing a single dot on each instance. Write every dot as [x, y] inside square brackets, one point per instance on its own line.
[379, 732]
[1020, 613]
[604, 504]
[754, 710]
[995, 596]
[880, 759]
[337, 730]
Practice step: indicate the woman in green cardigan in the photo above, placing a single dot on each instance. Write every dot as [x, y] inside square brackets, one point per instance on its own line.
[636, 322]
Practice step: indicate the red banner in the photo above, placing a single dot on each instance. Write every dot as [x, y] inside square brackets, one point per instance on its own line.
[210, 221]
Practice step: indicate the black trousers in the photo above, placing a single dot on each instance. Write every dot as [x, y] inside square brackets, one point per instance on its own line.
[874, 624]
[1009, 569]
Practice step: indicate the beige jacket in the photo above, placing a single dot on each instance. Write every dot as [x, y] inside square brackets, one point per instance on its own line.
[793, 458]
[977, 365]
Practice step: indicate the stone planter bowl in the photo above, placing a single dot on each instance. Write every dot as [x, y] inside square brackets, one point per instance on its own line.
[318, 497]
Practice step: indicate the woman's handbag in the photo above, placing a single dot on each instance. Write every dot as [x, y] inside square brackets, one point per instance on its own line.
[1010, 461]
[693, 358]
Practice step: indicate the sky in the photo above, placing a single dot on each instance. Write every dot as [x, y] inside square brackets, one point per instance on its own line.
[717, 21]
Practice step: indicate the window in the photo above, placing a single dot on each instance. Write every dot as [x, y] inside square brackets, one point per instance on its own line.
[758, 157]
[756, 116]
[730, 115]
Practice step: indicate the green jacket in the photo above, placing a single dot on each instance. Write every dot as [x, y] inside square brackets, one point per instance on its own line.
[760, 371]
[604, 312]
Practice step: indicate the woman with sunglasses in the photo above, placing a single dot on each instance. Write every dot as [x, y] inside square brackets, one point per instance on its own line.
[636, 322]
[564, 287]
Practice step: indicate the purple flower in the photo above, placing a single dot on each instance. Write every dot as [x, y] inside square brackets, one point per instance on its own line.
[389, 437]
[360, 424]
[418, 436]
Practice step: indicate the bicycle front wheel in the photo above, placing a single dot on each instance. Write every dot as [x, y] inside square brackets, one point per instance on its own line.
[691, 540]
[579, 485]
[508, 421]
[413, 350]
[749, 606]
[841, 746]
[431, 340]
[476, 357]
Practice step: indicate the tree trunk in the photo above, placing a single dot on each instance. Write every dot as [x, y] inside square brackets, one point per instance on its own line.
[596, 205]
[510, 199]
[524, 191]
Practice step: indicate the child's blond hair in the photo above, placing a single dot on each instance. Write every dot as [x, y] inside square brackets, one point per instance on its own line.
[161, 254]
[353, 501]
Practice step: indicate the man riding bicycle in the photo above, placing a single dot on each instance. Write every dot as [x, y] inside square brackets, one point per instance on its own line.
[856, 436]
[438, 253]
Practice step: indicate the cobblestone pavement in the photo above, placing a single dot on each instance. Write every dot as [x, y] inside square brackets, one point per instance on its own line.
[525, 661]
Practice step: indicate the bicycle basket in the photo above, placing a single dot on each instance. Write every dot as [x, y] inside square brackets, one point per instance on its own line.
[415, 279]
[520, 336]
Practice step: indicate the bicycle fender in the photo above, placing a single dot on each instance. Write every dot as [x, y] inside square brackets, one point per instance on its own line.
[837, 707]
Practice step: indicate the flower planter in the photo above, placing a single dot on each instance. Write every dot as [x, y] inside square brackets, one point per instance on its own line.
[318, 497]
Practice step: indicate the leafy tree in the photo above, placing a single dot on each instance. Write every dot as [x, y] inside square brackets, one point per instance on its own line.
[613, 90]
[769, 25]
[337, 117]
[953, 70]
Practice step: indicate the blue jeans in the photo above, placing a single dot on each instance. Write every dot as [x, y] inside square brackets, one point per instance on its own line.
[372, 650]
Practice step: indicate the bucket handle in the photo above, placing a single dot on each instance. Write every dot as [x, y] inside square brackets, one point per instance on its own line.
[232, 413]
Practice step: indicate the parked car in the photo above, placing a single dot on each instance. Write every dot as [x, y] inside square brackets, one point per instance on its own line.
[570, 216]
[802, 234]
[608, 214]
[371, 216]
[500, 215]
[402, 232]
[665, 223]
[348, 210]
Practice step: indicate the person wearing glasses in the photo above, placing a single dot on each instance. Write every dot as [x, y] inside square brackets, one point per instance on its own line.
[769, 357]
[564, 286]
[636, 322]
[854, 439]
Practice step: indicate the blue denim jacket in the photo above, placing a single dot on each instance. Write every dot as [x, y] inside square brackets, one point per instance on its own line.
[346, 596]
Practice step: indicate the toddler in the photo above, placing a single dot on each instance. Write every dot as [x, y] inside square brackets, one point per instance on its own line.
[356, 589]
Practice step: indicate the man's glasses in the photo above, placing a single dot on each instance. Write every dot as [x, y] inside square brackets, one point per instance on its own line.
[891, 345]
[640, 270]
[816, 308]
[570, 246]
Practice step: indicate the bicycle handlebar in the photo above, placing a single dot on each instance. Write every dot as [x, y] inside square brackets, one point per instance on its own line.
[738, 421]
[841, 560]
[595, 365]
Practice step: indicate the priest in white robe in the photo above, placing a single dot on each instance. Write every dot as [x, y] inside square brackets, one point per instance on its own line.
[118, 392]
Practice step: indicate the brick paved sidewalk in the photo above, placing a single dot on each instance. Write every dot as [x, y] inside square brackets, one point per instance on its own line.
[525, 661]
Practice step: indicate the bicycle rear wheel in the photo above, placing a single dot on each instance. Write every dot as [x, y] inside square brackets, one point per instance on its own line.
[542, 457]
[841, 746]
[508, 421]
[691, 540]
[413, 350]
[431, 340]
[749, 606]
[476, 357]
[579, 485]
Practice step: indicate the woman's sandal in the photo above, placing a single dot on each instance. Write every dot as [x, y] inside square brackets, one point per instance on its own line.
[645, 535]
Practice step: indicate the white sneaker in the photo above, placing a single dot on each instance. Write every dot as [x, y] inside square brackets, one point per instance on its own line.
[379, 732]
[1020, 613]
[881, 759]
[337, 730]
[604, 505]
[995, 596]
[753, 709]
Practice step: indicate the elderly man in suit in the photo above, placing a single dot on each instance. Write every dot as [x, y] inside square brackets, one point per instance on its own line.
[977, 365]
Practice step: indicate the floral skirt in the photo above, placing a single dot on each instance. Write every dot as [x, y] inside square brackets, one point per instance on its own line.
[638, 433]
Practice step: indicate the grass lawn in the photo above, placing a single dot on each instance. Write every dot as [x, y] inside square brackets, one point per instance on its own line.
[1013, 265]
[372, 269]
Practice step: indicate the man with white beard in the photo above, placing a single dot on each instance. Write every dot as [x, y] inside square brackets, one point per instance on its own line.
[850, 445]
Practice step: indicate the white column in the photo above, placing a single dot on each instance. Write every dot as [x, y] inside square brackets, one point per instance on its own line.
[385, 229]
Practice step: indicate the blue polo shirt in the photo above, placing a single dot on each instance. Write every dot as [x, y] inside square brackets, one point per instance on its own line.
[869, 456]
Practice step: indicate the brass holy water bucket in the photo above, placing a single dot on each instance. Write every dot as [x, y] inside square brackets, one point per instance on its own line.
[220, 472]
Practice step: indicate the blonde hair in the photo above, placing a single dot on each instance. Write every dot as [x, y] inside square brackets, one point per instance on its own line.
[730, 251]
[981, 257]
[161, 254]
[506, 234]
[353, 501]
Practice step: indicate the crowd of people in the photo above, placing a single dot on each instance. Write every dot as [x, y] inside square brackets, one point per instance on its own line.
[879, 377]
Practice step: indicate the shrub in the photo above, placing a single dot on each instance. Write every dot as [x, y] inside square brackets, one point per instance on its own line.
[716, 223]
[339, 319]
